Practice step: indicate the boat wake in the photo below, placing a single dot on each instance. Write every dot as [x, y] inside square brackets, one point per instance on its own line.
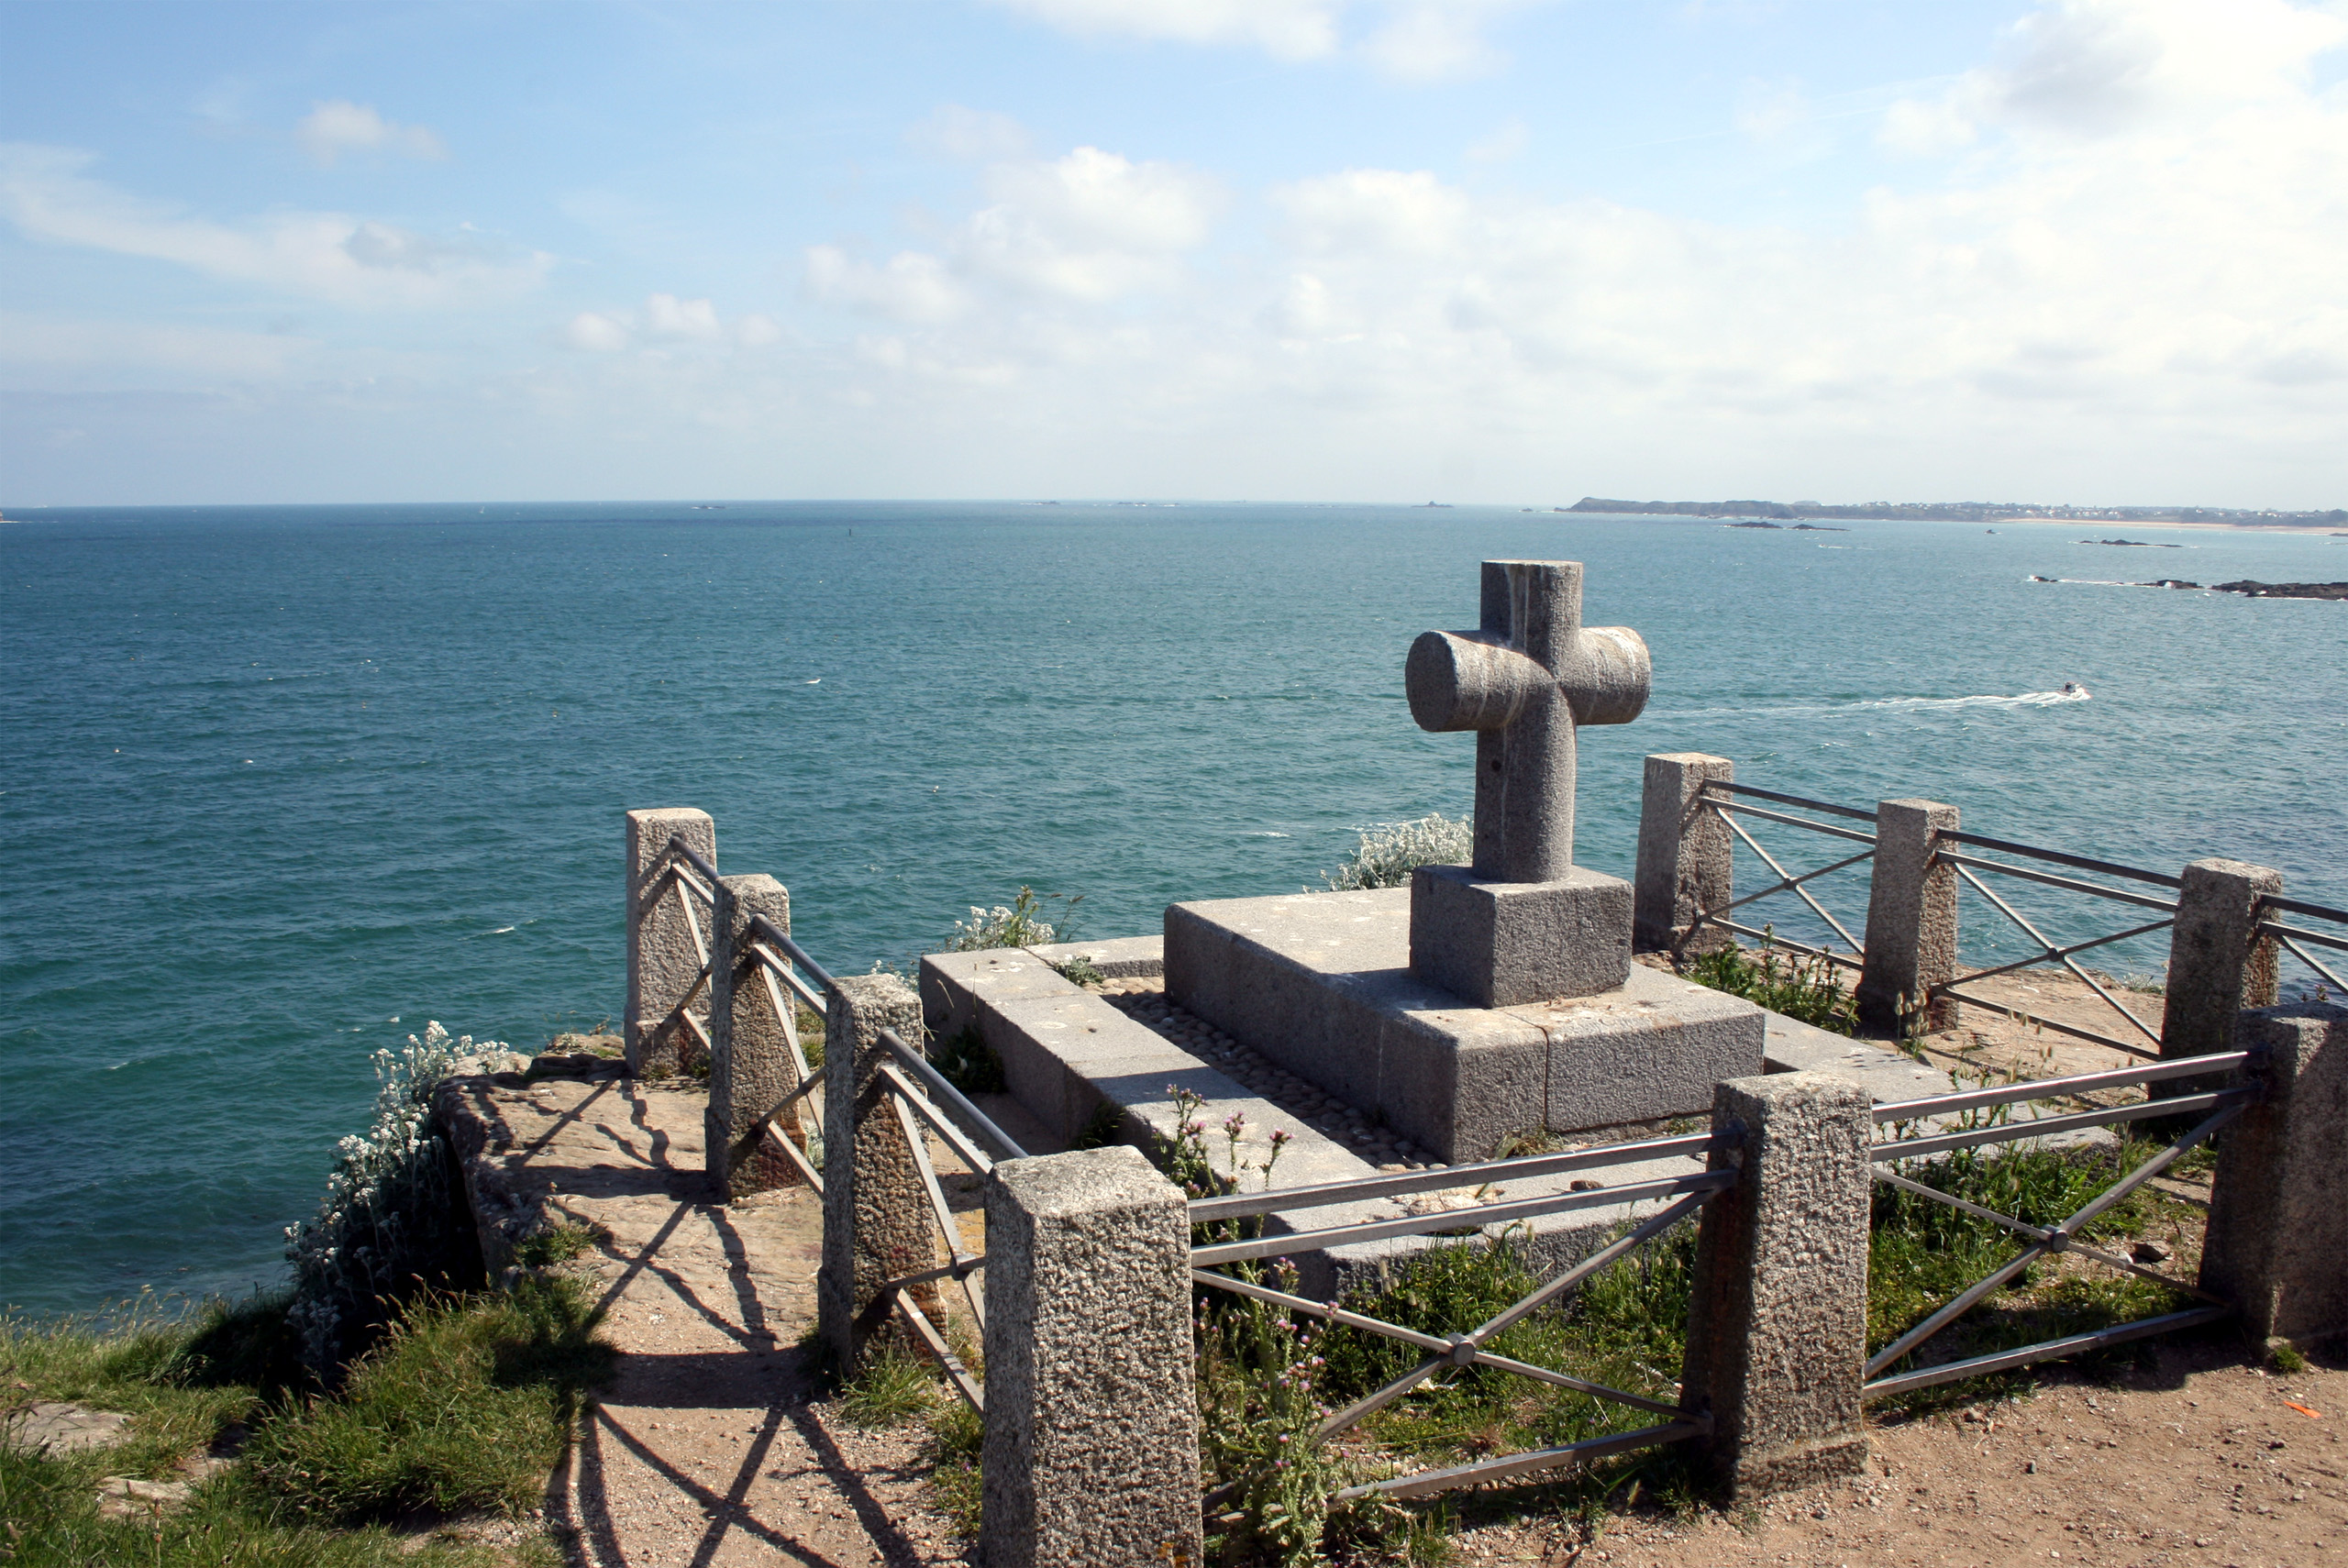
[2072, 693]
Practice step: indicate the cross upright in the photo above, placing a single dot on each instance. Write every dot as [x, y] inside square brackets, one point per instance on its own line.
[1523, 681]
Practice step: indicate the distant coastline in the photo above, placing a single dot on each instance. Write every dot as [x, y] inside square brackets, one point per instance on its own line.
[1968, 512]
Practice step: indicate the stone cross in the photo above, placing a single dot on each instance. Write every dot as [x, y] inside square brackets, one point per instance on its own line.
[1523, 681]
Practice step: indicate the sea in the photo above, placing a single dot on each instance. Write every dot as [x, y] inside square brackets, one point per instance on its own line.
[280, 784]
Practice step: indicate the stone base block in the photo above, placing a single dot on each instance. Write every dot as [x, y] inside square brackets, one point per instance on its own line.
[1321, 984]
[1506, 943]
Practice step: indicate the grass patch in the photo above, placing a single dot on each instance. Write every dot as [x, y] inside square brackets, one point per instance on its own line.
[462, 1407]
[1264, 1381]
[466, 1404]
[558, 1244]
[968, 1061]
[1808, 989]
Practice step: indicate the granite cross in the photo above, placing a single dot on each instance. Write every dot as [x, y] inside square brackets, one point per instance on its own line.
[1523, 683]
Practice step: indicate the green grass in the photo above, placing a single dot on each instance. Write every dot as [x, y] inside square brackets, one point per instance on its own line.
[462, 1407]
[968, 1061]
[1803, 988]
[1261, 1377]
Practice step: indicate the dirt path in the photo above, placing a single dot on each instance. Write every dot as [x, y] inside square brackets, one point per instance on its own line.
[710, 1446]
[2191, 1458]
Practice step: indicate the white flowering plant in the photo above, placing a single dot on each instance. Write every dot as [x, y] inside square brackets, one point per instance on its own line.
[388, 1218]
[1388, 853]
[1019, 923]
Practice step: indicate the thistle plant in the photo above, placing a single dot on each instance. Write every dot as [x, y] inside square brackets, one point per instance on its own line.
[384, 1221]
[1388, 853]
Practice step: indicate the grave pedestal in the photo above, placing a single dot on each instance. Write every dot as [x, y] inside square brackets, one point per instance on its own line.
[1495, 944]
[1321, 984]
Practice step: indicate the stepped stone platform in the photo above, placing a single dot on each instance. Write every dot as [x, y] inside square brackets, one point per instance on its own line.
[1323, 984]
[1078, 1062]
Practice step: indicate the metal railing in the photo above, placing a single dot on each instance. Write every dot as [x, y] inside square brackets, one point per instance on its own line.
[1945, 1123]
[1715, 799]
[2289, 938]
[922, 1101]
[684, 871]
[1687, 1194]
[1968, 868]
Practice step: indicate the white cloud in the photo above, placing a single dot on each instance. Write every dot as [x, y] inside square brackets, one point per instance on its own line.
[50, 343]
[1411, 40]
[2110, 296]
[327, 256]
[2097, 68]
[1768, 110]
[597, 332]
[912, 287]
[333, 128]
[670, 316]
[968, 136]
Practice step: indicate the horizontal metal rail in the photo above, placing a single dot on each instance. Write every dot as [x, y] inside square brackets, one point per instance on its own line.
[767, 930]
[1827, 828]
[1491, 1470]
[1786, 942]
[938, 1121]
[1690, 1145]
[2052, 1088]
[2076, 862]
[2049, 1126]
[2300, 906]
[2303, 957]
[961, 1268]
[2069, 884]
[2294, 933]
[692, 856]
[2047, 1350]
[2057, 1025]
[976, 1120]
[1455, 1218]
[1851, 811]
[778, 966]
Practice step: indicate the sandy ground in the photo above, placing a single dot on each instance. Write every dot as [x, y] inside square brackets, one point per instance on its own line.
[2191, 1458]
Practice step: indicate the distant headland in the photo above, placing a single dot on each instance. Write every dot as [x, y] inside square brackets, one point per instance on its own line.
[1968, 512]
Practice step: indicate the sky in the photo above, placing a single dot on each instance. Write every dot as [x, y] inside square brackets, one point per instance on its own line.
[2089, 251]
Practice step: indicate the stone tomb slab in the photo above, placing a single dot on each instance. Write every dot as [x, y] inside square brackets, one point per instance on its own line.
[1321, 984]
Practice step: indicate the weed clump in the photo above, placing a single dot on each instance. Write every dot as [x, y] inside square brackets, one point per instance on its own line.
[1804, 989]
[965, 1060]
[1386, 855]
[1019, 923]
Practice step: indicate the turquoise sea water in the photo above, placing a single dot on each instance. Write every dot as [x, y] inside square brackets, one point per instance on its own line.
[282, 783]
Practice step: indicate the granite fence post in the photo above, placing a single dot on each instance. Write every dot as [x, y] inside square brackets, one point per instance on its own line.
[1777, 1311]
[1091, 1448]
[754, 1057]
[1911, 921]
[662, 963]
[876, 1223]
[2278, 1206]
[2218, 964]
[1686, 860]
